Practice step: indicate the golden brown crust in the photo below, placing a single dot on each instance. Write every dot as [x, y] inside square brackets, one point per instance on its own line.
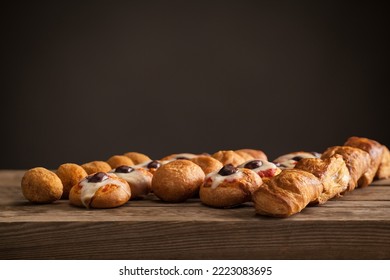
[96, 166]
[230, 193]
[384, 167]
[228, 157]
[137, 158]
[244, 155]
[249, 154]
[177, 180]
[356, 160]
[41, 185]
[207, 163]
[332, 172]
[374, 149]
[108, 196]
[70, 174]
[287, 193]
[118, 160]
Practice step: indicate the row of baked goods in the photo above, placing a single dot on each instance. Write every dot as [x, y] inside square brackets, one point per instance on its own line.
[94, 181]
[224, 179]
[315, 180]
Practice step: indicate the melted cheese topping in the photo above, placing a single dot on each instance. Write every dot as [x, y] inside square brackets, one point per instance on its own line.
[145, 164]
[287, 162]
[217, 179]
[185, 155]
[88, 190]
[265, 166]
[135, 177]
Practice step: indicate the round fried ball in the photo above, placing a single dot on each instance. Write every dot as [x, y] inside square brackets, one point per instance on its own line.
[41, 185]
[70, 174]
[96, 166]
[137, 158]
[118, 160]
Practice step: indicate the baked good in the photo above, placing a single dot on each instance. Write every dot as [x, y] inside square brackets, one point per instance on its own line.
[207, 163]
[138, 178]
[290, 160]
[332, 172]
[244, 155]
[41, 185]
[137, 158]
[287, 193]
[229, 186]
[179, 156]
[249, 154]
[263, 168]
[118, 160]
[228, 157]
[96, 166]
[151, 165]
[384, 167]
[177, 180]
[100, 190]
[70, 174]
[356, 160]
[374, 149]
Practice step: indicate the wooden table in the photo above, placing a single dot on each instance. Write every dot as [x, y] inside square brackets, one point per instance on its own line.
[356, 226]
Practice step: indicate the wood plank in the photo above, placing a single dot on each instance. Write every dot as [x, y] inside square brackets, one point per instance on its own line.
[355, 226]
[370, 193]
[272, 239]
[350, 211]
[11, 177]
[382, 182]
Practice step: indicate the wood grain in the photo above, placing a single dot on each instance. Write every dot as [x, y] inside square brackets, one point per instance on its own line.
[355, 226]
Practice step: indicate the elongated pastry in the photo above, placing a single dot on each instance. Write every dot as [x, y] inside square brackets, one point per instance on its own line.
[249, 154]
[287, 193]
[137, 158]
[207, 163]
[384, 168]
[228, 187]
[179, 156]
[374, 149]
[263, 168]
[228, 157]
[291, 159]
[96, 166]
[138, 178]
[100, 190]
[118, 160]
[356, 160]
[332, 172]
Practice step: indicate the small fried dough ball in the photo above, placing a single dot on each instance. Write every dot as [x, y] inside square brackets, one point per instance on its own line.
[41, 185]
[137, 158]
[96, 166]
[70, 174]
[119, 160]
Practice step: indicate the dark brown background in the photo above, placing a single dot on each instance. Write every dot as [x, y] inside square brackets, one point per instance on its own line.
[85, 81]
